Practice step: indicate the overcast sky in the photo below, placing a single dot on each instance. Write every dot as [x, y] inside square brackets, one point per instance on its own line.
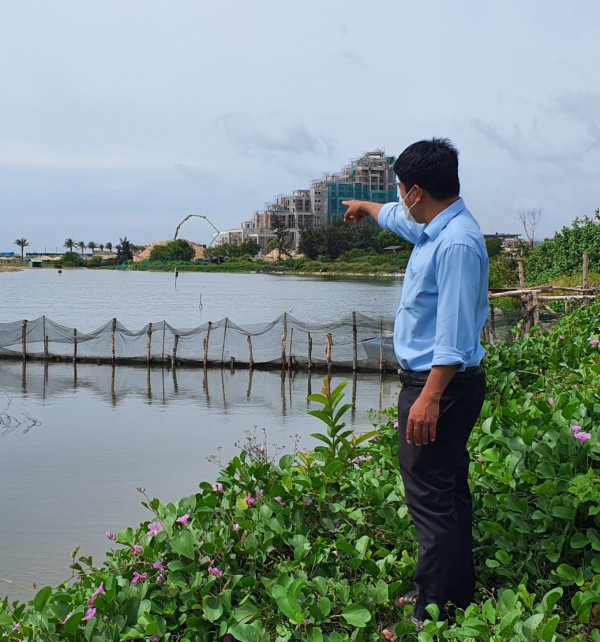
[120, 117]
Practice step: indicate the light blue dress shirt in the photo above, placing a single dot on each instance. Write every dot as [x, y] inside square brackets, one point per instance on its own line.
[444, 302]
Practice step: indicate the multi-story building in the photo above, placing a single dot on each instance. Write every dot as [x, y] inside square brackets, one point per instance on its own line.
[369, 178]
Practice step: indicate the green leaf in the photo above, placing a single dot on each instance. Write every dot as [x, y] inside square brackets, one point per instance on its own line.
[362, 545]
[356, 615]
[566, 572]
[212, 608]
[245, 632]
[39, 601]
[288, 604]
[547, 633]
[184, 544]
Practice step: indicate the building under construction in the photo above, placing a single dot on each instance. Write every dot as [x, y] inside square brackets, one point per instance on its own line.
[368, 178]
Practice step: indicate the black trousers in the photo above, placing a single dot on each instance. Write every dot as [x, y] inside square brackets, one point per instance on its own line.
[438, 496]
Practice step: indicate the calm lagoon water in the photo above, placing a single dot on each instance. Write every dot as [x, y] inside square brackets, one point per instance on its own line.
[104, 432]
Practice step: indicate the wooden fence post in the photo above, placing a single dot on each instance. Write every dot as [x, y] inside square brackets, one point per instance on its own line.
[354, 344]
[328, 352]
[251, 359]
[149, 345]
[112, 340]
[174, 357]
[24, 338]
[284, 341]
[74, 345]
[309, 352]
[223, 346]
[521, 273]
[206, 340]
[381, 360]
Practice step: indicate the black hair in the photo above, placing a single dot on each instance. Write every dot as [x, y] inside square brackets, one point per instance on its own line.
[432, 165]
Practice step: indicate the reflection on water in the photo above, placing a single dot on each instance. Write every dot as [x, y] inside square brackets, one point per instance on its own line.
[98, 433]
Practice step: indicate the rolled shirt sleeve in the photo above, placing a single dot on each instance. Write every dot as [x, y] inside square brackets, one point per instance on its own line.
[459, 275]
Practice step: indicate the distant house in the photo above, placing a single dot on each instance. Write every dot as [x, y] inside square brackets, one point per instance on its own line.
[36, 263]
[392, 249]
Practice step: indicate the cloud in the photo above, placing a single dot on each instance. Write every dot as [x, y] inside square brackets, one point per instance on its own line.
[274, 134]
[563, 135]
[353, 58]
[197, 174]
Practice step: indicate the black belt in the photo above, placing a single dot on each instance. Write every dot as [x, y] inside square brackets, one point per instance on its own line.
[419, 378]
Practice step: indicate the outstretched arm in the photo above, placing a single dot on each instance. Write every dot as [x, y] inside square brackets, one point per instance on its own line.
[357, 210]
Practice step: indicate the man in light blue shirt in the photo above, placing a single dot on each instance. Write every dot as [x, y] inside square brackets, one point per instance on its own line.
[443, 308]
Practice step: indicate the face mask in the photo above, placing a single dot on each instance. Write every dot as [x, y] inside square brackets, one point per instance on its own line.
[407, 209]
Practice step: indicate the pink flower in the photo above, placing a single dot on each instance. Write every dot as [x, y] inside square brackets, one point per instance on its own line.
[480, 459]
[582, 436]
[111, 536]
[368, 457]
[89, 615]
[576, 429]
[160, 578]
[551, 400]
[99, 591]
[154, 638]
[278, 499]
[396, 424]
[236, 527]
[201, 543]
[560, 336]
[335, 553]
[67, 618]
[184, 519]
[250, 499]
[218, 488]
[373, 438]
[259, 493]
[154, 528]
[308, 501]
[136, 549]
[228, 638]
[158, 565]
[357, 460]
[594, 342]
[139, 577]
[213, 570]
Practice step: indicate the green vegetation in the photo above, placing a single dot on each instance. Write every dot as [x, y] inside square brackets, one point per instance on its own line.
[333, 240]
[562, 255]
[315, 547]
[178, 250]
[71, 259]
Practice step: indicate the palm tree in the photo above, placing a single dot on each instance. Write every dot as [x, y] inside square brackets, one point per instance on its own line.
[69, 244]
[22, 243]
[92, 246]
[101, 247]
[108, 246]
[81, 246]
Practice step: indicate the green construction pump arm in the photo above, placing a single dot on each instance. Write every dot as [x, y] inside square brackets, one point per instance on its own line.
[195, 216]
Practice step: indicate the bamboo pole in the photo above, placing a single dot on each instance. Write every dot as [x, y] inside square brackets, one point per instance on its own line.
[251, 358]
[492, 323]
[354, 343]
[46, 348]
[232, 365]
[309, 352]
[74, 345]
[149, 345]
[535, 309]
[24, 338]
[291, 357]
[175, 345]
[45, 337]
[328, 351]
[206, 341]
[381, 362]
[162, 358]
[521, 272]
[284, 341]
[112, 340]
[223, 346]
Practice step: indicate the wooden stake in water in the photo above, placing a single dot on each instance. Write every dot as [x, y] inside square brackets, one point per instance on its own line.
[251, 358]
[24, 338]
[354, 343]
[176, 275]
[74, 345]
[223, 347]
[175, 344]
[149, 345]
[284, 341]
[112, 340]
[206, 340]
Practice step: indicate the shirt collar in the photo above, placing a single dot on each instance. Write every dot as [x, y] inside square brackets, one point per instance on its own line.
[434, 228]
